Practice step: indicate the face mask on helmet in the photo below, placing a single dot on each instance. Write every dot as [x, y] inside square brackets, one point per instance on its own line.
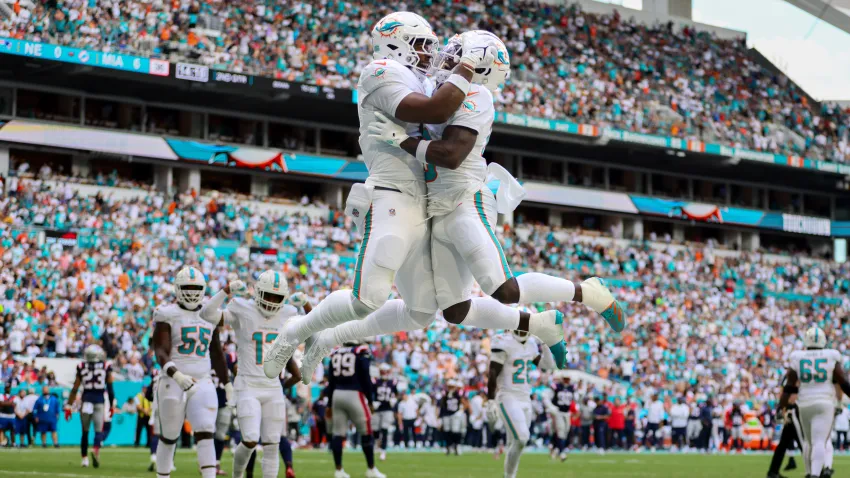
[190, 295]
[520, 335]
[446, 60]
[269, 302]
[406, 38]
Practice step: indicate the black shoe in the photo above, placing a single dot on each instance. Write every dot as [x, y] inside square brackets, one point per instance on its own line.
[792, 464]
[151, 468]
[94, 461]
[826, 473]
[775, 475]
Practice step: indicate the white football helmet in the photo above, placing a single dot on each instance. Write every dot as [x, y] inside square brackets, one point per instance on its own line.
[404, 37]
[491, 77]
[94, 353]
[190, 287]
[815, 338]
[520, 336]
[270, 291]
[385, 370]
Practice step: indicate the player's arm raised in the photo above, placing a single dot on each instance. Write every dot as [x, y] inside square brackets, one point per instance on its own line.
[211, 310]
[162, 350]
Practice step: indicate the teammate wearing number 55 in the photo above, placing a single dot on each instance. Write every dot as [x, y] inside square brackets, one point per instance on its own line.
[813, 374]
[187, 347]
[260, 406]
[94, 376]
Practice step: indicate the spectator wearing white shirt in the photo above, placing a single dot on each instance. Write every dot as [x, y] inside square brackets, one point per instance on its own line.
[134, 370]
[408, 408]
[679, 414]
[842, 428]
[654, 418]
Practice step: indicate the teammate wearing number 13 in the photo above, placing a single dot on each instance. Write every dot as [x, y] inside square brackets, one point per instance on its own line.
[187, 347]
[813, 374]
[94, 376]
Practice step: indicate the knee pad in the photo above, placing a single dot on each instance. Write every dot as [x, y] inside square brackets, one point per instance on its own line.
[422, 319]
[168, 441]
[390, 252]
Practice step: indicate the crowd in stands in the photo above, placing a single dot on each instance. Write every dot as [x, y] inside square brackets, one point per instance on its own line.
[589, 68]
[704, 324]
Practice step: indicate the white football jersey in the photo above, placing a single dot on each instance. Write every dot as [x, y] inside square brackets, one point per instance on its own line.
[254, 335]
[446, 186]
[190, 339]
[814, 369]
[382, 86]
[518, 362]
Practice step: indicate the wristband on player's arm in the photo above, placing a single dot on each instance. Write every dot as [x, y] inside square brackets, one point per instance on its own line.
[460, 82]
[169, 368]
[422, 151]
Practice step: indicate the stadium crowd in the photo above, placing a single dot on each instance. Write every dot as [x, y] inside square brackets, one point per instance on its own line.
[595, 69]
[703, 325]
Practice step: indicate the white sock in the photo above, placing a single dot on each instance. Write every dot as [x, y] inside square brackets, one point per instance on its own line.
[164, 459]
[489, 313]
[392, 317]
[336, 309]
[271, 463]
[537, 287]
[512, 457]
[240, 459]
[206, 457]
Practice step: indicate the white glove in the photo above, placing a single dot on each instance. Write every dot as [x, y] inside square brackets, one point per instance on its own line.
[385, 131]
[237, 286]
[475, 54]
[184, 381]
[298, 300]
[492, 412]
[228, 393]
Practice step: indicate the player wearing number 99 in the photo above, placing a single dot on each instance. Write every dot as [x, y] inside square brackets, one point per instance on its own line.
[187, 347]
[509, 390]
[95, 377]
[817, 370]
[350, 392]
[260, 406]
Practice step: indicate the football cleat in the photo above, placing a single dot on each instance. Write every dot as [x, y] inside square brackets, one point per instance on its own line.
[547, 326]
[85, 462]
[94, 460]
[279, 354]
[341, 474]
[315, 350]
[595, 294]
[383, 456]
[374, 473]
[290, 473]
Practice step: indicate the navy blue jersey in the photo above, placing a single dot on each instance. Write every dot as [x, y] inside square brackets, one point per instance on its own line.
[451, 403]
[563, 397]
[349, 370]
[92, 377]
[385, 390]
[219, 390]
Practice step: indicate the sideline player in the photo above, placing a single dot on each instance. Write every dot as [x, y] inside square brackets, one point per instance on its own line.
[95, 376]
[187, 347]
[390, 209]
[559, 402]
[453, 408]
[350, 396]
[260, 406]
[386, 390]
[814, 371]
[509, 390]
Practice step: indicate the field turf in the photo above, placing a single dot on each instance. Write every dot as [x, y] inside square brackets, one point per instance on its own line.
[123, 462]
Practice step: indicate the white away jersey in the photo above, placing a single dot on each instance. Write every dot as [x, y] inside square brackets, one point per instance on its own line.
[446, 185]
[814, 369]
[254, 335]
[190, 339]
[382, 86]
[518, 360]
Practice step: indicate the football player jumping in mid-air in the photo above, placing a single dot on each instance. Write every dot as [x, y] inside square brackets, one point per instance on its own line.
[187, 347]
[813, 374]
[95, 377]
[464, 246]
[509, 390]
[260, 406]
[390, 209]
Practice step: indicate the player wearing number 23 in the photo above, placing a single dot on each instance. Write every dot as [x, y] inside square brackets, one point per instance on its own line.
[94, 376]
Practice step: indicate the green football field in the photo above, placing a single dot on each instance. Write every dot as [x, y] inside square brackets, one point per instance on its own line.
[117, 462]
